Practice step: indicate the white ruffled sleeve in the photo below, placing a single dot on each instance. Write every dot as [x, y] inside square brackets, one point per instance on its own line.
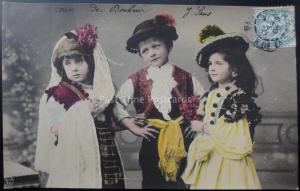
[123, 99]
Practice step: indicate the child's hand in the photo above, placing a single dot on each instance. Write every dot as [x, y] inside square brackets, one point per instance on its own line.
[196, 127]
[92, 105]
[205, 129]
[140, 120]
[139, 131]
[146, 132]
[55, 128]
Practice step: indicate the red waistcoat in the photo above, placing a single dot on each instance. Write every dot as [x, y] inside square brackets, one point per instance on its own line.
[142, 92]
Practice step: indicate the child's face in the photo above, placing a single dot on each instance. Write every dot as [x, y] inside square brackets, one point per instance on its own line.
[76, 67]
[219, 69]
[154, 51]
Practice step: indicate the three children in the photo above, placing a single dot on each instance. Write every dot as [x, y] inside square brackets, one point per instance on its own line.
[76, 143]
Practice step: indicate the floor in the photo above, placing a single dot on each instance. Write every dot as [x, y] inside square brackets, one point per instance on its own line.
[133, 180]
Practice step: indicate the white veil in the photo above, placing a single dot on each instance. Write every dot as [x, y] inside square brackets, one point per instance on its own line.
[103, 90]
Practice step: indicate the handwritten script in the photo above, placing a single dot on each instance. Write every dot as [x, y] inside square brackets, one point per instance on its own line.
[121, 9]
[118, 9]
[197, 11]
[95, 8]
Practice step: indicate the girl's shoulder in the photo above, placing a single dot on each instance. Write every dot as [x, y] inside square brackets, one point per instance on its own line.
[64, 95]
[206, 93]
[60, 94]
[239, 104]
[238, 95]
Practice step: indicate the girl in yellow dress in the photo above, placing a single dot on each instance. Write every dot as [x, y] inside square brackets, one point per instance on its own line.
[220, 156]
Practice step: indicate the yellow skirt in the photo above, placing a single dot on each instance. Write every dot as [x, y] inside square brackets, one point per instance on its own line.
[222, 160]
[221, 173]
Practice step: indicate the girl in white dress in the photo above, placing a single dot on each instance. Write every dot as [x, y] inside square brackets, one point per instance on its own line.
[75, 143]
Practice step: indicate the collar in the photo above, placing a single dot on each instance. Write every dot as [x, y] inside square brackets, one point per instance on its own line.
[85, 86]
[227, 87]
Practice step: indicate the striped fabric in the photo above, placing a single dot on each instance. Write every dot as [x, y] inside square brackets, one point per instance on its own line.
[111, 166]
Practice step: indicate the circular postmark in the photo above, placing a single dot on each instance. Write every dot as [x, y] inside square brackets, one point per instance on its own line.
[9, 181]
[273, 28]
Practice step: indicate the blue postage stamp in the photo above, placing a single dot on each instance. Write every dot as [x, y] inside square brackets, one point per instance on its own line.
[274, 28]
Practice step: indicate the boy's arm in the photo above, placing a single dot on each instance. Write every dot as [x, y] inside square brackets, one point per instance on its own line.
[123, 99]
[198, 88]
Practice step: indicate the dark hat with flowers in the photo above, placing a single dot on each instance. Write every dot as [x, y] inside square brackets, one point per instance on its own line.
[82, 40]
[162, 25]
[212, 38]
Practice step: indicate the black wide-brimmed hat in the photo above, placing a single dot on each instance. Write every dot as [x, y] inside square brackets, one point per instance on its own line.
[214, 39]
[163, 25]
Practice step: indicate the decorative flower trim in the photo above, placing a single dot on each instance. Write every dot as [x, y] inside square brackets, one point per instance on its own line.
[239, 104]
[165, 19]
[87, 36]
[209, 32]
[189, 107]
[236, 105]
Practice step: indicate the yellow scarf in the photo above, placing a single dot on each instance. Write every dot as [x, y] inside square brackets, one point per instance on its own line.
[170, 146]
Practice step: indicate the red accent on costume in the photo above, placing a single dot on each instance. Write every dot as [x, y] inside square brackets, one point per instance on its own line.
[87, 35]
[142, 92]
[143, 30]
[65, 95]
[165, 19]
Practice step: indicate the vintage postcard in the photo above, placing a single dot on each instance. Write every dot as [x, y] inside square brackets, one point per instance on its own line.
[162, 96]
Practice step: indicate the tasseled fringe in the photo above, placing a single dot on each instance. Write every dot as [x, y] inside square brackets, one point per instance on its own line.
[170, 163]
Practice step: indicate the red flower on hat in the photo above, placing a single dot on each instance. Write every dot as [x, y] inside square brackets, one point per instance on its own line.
[165, 19]
[87, 35]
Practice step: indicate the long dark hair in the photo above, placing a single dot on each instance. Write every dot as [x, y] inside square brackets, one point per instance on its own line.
[87, 57]
[246, 78]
